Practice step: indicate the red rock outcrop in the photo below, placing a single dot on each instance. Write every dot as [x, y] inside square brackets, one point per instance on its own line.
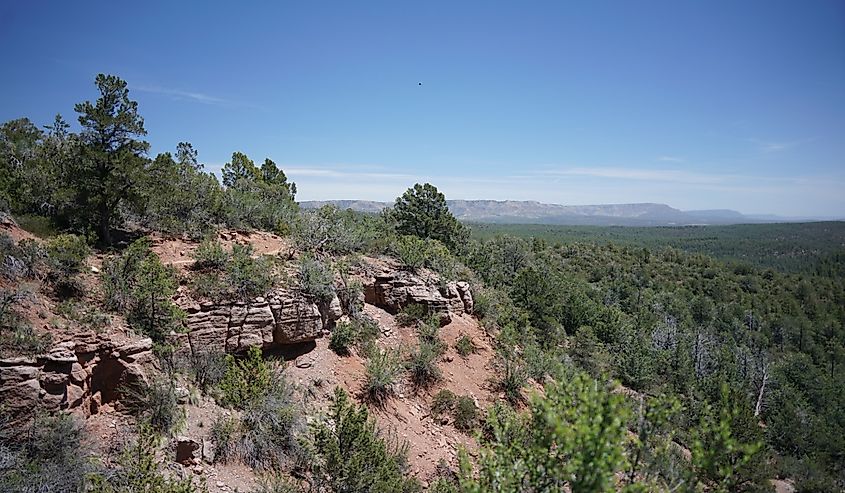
[79, 376]
[281, 318]
[394, 290]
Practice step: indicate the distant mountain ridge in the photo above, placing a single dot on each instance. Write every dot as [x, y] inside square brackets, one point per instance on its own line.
[526, 211]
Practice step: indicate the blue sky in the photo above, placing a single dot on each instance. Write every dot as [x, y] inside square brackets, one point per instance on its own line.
[717, 104]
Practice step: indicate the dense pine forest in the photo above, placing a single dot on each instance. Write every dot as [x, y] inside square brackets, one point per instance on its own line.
[807, 248]
[635, 359]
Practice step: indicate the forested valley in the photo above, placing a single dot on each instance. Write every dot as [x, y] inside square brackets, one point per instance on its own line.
[615, 365]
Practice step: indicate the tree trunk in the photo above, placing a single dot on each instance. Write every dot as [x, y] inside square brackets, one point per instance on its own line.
[104, 229]
[759, 407]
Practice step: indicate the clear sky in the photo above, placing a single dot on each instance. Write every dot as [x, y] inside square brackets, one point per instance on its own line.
[698, 104]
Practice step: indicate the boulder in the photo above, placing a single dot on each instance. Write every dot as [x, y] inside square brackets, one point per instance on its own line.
[466, 295]
[13, 267]
[188, 451]
[394, 290]
[297, 320]
[330, 312]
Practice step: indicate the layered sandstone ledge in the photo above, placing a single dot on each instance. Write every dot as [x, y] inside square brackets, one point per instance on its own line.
[91, 370]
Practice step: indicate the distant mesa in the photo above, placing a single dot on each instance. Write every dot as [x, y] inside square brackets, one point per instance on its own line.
[531, 212]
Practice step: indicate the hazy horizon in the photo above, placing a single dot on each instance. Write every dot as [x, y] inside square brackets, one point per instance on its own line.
[456, 199]
[717, 105]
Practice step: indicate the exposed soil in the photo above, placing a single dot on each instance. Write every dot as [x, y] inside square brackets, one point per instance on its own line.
[178, 251]
[406, 416]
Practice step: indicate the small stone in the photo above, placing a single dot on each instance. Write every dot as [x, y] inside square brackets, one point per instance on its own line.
[304, 363]
[220, 484]
[182, 253]
[95, 270]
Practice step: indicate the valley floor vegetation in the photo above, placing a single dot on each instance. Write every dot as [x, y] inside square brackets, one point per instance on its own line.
[622, 367]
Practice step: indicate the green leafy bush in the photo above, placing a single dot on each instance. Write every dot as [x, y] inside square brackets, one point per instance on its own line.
[443, 403]
[238, 274]
[350, 296]
[210, 285]
[466, 413]
[210, 254]
[32, 254]
[721, 456]
[208, 368]
[139, 471]
[382, 371]
[343, 336]
[368, 330]
[277, 483]
[120, 274]
[87, 316]
[316, 279]
[352, 456]
[23, 259]
[571, 439]
[22, 340]
[539, 364]
[359, 332]
[268, 429]
[422, 364]
[67, 254]
[462, 409]
[464, 346]
[429, 331]
[411, 252]
[412, 314]
[151, 309]
[264, 434]
[156, 404]
[514, 378]
[246, 380]
[17, 337]
[138, 284]
[9, 298]
[66, 259]
[48, 454]
[224, 435]
[248, 276]
[329, 230]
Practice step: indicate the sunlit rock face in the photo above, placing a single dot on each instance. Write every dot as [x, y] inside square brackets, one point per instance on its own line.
[80, 376]
[395, 290]
[280, 318]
